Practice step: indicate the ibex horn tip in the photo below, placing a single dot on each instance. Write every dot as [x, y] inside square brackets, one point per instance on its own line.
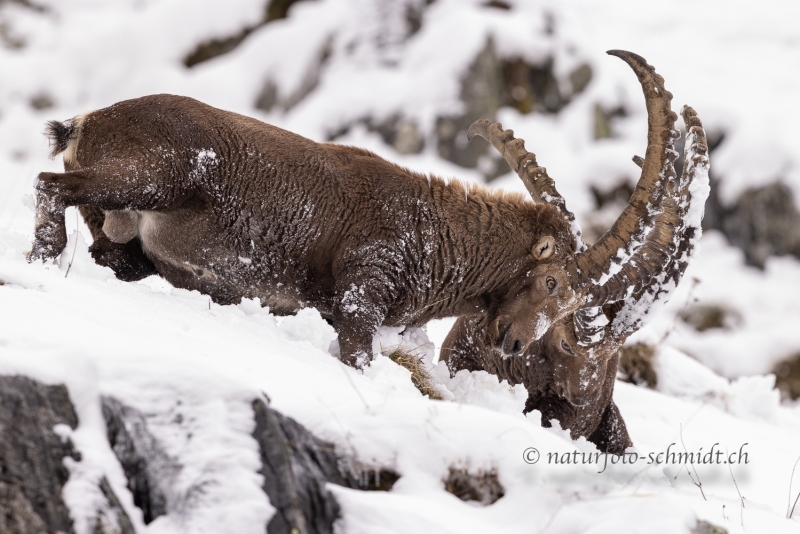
[479, 127]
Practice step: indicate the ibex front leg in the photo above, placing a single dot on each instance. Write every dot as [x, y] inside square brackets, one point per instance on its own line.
[363, 299]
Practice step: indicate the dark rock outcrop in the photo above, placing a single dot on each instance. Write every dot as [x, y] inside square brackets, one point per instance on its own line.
[711, 316]
[296, 467]
[32, 472]
[787, 376]
[111, 517]
[144, 462]
[636, 365]
[704, 527]
[274, 10]
[491, 82]
[270, 97]
[763, 222]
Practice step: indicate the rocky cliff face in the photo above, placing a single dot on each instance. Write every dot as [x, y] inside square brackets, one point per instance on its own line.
[34, 459]
[35, 455]
[32, 471]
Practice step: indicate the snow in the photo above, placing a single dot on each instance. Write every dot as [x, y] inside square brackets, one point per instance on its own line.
[192, 367]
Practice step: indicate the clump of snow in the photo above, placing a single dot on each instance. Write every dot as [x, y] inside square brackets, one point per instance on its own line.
[308, 325]
[752, 397]
[480, 388]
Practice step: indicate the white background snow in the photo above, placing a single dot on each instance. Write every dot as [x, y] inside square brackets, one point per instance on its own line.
[169, 352]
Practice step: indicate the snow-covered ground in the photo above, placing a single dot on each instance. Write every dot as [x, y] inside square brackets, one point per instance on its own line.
[171, 353]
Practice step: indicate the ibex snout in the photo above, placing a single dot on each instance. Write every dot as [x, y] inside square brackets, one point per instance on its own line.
[505, 339]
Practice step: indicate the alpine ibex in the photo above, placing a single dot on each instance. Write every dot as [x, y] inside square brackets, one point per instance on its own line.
[232, 207]
[570, 379]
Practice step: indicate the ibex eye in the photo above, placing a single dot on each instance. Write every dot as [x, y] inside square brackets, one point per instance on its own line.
[565, 347]
[551, 283]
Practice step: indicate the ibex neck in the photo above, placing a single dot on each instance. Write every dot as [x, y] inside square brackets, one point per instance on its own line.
[486, 245]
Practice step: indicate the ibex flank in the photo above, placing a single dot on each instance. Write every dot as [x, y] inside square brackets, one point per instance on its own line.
[235, 208]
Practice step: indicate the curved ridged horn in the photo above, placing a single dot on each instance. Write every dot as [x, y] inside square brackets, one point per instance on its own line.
[666, 253]
[594, 268]
[541, 187]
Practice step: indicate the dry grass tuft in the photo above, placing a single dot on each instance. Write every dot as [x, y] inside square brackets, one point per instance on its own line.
[483, 486]
[787, 377]
[704, 317]
[636, 365]
[704, 527]
[420, 376]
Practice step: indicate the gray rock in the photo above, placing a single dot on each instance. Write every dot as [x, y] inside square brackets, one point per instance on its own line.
[32, 472]
[111, 518]
[482, 96]
[270, 97]
[274, 10]
[147, 467]
[764, 222]
[297, 466]
[491, 82]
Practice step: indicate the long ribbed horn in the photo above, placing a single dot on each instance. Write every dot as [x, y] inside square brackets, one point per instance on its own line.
[594, 267]
[650, 277]
[541, 187]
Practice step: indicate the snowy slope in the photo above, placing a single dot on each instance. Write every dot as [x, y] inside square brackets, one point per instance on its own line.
[169, 352]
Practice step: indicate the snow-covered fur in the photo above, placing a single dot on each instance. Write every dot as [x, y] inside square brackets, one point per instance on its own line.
[236, 208]
[565, 381]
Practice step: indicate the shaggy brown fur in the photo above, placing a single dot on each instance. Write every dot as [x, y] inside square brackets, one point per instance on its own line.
[235, 208]
[574, 389]
[570, 377]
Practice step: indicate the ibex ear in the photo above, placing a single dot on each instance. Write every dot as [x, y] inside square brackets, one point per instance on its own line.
[544, 248]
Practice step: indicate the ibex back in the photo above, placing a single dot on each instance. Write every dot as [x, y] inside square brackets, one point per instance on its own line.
[234, 208]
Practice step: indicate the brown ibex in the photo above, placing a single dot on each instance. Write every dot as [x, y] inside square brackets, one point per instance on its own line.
[232, 207]
[571, 380]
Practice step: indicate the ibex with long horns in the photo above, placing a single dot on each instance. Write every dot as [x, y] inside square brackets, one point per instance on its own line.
[569, 373]
[235, 208]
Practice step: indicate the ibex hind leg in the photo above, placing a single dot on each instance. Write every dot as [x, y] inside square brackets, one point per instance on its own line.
[50, 233]
[113, 184]
[127, 260]
[108, 186]
[54, 192]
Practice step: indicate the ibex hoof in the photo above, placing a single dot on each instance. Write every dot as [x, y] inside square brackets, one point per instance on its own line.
[359, 360]
[44, 252]
[48, 244]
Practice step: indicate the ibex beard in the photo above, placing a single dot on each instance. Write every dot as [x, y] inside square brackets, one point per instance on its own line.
[235, 208]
